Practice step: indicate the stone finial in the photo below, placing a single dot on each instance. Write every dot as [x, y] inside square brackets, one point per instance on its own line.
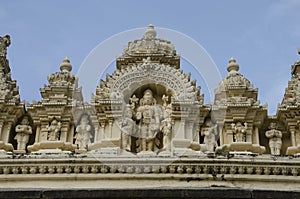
[150, 32]
[232, 66]
[4, 43]
[65, 65]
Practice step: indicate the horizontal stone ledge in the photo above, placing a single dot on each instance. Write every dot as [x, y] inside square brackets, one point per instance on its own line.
[216, 193]
[189, 178]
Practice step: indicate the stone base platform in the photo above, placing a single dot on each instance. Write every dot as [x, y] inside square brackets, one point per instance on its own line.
[134, 176]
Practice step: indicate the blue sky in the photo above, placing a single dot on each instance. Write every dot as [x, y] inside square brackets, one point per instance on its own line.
[263, 35]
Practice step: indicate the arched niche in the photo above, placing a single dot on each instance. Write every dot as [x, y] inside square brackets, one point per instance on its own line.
[157, 89]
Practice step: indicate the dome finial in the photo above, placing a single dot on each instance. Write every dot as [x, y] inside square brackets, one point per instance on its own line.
[65, 65]
[150, 32]
[232, 66]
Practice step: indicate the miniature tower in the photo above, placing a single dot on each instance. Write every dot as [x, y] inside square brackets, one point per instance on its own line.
[288, 111]
[238, 112]
[53, 115]
[10, 107]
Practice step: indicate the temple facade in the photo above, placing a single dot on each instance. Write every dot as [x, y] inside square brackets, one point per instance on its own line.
[147, 123]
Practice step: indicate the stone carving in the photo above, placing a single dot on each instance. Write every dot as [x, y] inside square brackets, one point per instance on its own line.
[292, 92]
[274, 139]
[54, 130]
[148, 117]
[149, 44]
[137, 74]
[23, 131]
[127, 129]
[4, 43]
[166, 126]
[83, 133]
[64, 77]
[239, 131]
[209, 138]
[235, 80]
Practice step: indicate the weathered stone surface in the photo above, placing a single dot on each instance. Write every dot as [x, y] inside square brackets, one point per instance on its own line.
[147, 133]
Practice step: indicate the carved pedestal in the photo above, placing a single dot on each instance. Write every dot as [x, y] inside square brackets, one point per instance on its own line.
[107, 147]
[57, 146]
[241, 147]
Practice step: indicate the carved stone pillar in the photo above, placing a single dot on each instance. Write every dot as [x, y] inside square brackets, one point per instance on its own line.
[1, 128]
[96, 135]
[295, 148]
[189, 130]
[229, 136]
[180, 133]
[196, 130]
[70, 135]
[110, 125]
[64, 131]
[293, 139]
[101, 135]
[221, 135]
[38, 134]
[249, 135]
[256, 135]
[7, 132]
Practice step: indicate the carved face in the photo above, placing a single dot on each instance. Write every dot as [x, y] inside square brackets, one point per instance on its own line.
[25, 121]
[54, 122]
[84, 120]
[148, 97]
[273, 125]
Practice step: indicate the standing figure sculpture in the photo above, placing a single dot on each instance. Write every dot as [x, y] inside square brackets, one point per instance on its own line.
[166, 129]
[23, 131]
[239, 131]
[274, 139]
[83, 135]
[210, 138]
[149, 121]
[127, 129]
[54, 130]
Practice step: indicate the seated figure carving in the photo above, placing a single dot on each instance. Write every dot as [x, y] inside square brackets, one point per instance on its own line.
[54, 130]
[239, 131]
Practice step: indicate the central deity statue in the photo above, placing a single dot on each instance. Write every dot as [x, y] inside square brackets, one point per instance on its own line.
[148, 116]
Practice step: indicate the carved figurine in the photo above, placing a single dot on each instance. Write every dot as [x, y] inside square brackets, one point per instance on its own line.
[239, 131]
[127, 129]
[210, 138]
[149, 121]
[166, 129]
[54, 130]
[274, 139]
[83, 135]
[23, 131]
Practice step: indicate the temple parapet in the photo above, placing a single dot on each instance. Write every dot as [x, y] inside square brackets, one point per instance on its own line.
[148, 107]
